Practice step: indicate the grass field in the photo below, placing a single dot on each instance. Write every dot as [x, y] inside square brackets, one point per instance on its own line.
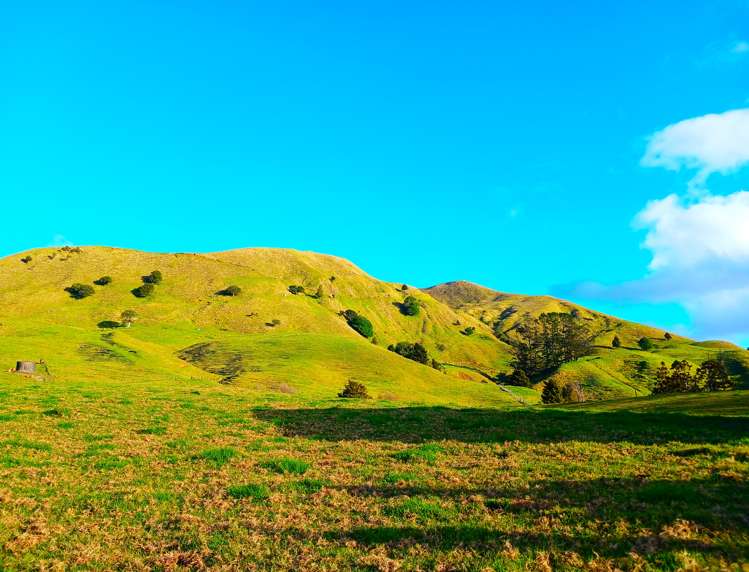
[140, 474]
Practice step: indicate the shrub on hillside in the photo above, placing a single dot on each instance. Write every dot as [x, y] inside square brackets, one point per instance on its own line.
[154, 277]
[26, 259]
[410, 306]
[143, 291]
[230, 291]
[358, 323]
[103, 281]
[354, 390]
[667, 336]
[468, 331]
[616, 342]
[415, 352]
[80, 291]
[109, 324]
[296, 289]
[645, 344]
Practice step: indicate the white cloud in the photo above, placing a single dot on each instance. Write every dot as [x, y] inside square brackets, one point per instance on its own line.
[741, 47]
[686, 235]
[714, 143]
[700, 259]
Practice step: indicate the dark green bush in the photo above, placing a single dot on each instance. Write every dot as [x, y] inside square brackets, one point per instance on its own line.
[154, 277]
[103, 281]
[296, 289]
[143, 291]
[80, 291]
[616, 342]
[468, 331]
[230, 291]
[359, 323]
[645, 344]
[415, 352]
[26, 259]
[354, 390]
[410, 306]
[109, 324]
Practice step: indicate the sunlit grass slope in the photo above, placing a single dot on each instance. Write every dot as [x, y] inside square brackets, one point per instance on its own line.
[610, 372]
[286, 344]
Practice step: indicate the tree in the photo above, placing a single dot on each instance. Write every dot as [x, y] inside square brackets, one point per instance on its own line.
[358, 323]
[143, 291]
[103, 281]
[354, 390]
[662, 380]
[667, 336]
[551, 392]
[26, 259]
[155, 277]
[468, 331]
[415, 352]
[230, 291]
[79, 291]
[682, 380]
[410, 306]
[645, 344]
[712, 376]
[616, 342]
[544, 344]
[128, 317]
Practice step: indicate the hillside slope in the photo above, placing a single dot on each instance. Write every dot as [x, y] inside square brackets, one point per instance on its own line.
[610, 372]
[278, 344]
[266, 339]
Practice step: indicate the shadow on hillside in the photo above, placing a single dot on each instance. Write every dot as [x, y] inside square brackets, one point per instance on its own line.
[605, 517]
[419, 424]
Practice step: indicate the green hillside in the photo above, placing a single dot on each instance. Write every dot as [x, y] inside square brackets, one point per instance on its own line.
[274, 343]
[610, 372]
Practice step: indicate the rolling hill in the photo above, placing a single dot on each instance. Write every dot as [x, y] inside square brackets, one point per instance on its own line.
[273, 343]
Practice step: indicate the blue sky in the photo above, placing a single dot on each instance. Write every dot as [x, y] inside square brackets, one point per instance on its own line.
[503, 143]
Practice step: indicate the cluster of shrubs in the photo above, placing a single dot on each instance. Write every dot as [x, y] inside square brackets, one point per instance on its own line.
[149, 284]
[358, 323]
[80, 291]
[296, 289]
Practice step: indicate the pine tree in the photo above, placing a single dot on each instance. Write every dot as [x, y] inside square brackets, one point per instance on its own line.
[551, 392]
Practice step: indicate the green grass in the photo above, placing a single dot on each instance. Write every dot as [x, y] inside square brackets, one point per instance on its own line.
[256, 492]
[286, 466]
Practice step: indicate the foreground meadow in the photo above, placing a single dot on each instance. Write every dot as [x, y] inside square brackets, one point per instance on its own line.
[196, 475]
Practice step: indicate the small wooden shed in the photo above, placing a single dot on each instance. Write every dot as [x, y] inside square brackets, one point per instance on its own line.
[25, 367]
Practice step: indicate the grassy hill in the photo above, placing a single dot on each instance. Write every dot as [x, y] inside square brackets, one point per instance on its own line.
[610, 372]
[276, 339]
[275, 343]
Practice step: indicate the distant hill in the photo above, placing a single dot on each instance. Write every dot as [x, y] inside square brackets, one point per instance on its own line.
[272, 341]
